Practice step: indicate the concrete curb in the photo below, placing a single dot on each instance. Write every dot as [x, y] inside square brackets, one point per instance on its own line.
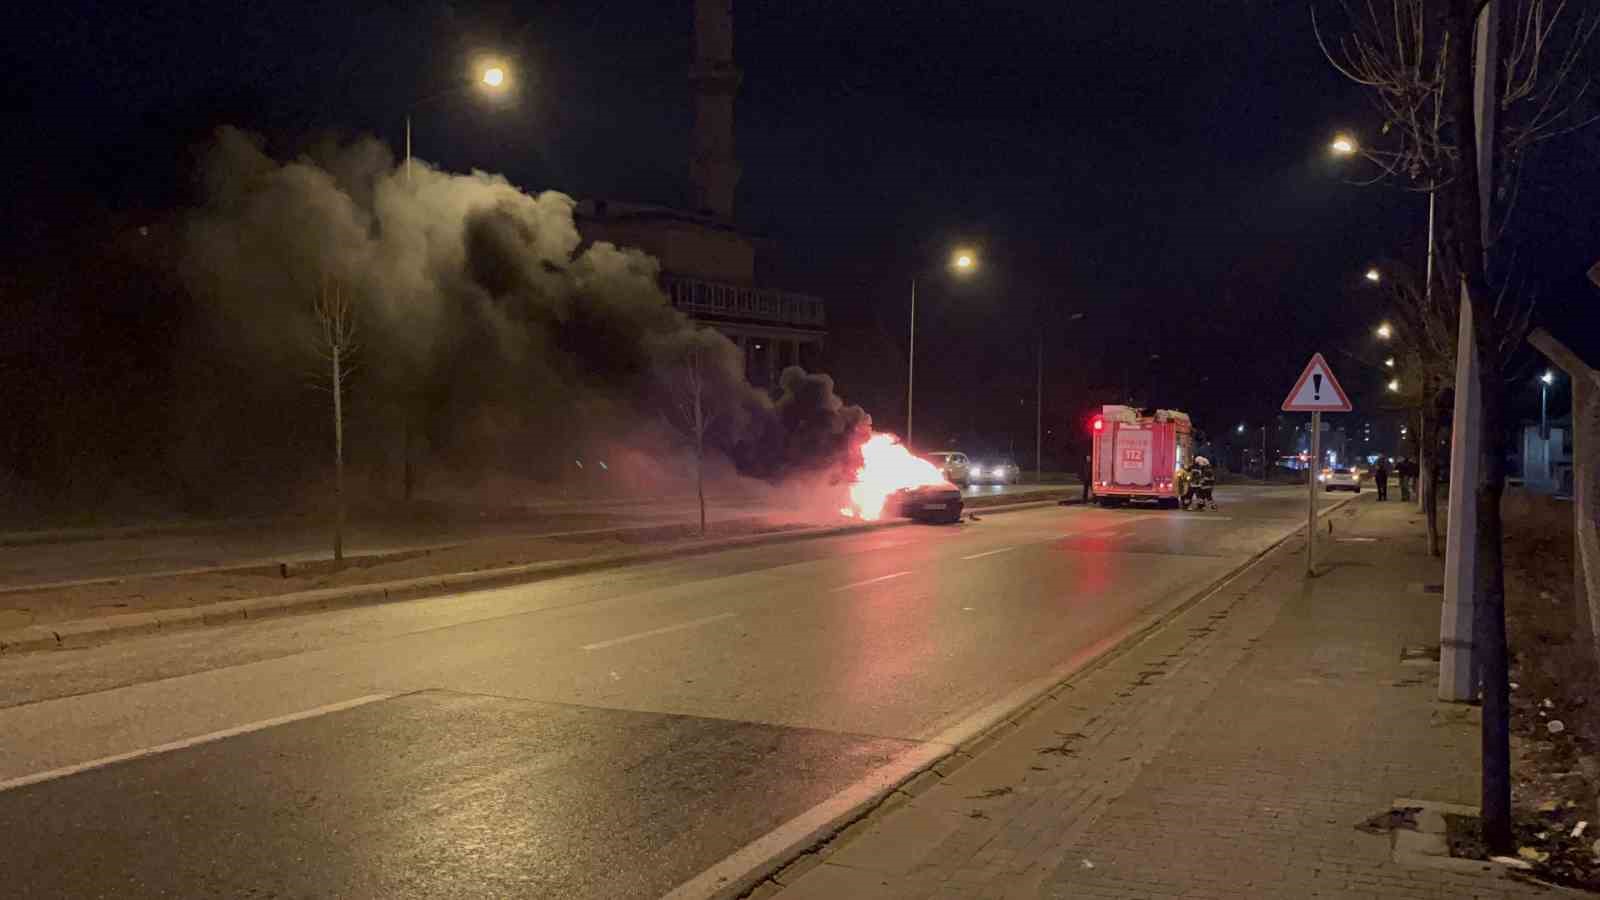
[779, 870]
[85, 632]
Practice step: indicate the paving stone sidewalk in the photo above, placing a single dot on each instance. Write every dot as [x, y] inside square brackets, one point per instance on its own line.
[1230, 754]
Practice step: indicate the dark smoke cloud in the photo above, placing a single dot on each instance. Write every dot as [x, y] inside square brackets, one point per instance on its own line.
[490, 334]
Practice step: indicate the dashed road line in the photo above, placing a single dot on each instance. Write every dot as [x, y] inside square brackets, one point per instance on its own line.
[856, 584]
[681, 626]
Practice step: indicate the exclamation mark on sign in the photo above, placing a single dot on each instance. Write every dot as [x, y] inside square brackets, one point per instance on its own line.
[1316, 385]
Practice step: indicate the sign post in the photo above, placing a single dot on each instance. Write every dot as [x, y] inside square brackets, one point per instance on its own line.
[1316, 392]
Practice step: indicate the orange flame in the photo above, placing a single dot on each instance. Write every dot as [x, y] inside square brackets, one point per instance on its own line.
[886, 467]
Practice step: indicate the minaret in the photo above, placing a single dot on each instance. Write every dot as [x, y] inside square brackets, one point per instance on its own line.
[715, 170]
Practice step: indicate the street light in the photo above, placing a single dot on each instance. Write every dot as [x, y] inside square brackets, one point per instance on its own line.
[1388, 363]
[1394, 386]
[963, 262]
[1545, 380]
[491, 77]
[1343, 145]
[1385, 331]
[1374, 276]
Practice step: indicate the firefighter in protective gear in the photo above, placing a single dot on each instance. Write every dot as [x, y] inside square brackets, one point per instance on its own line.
[1203, 479]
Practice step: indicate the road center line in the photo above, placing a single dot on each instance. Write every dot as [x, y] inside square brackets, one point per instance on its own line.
[186, 743]
[681, 626]
[856, 584]
[989, 553]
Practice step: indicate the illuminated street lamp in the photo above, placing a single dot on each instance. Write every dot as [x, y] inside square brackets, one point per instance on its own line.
[1545, 380]
[963, 261]
[1374, 276]
[1343, 145]
[492, 77]
[1388, 363]
[1394, 386]
[1385, 331]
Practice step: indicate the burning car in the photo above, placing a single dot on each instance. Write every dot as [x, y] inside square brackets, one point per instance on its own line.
[891, 481]
[929, 503]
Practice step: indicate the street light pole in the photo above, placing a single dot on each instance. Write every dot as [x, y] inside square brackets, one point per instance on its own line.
[1038, 417]
[911, 361]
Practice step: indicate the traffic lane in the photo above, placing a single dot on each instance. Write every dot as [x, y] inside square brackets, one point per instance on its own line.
[428, 795]
[906, 656]
[526, 635]
[35, 677]
[101, 701]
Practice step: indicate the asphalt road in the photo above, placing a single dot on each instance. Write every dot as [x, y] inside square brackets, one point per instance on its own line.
[606, 735]
[32, 565]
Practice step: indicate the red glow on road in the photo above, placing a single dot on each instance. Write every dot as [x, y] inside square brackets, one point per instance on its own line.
[886, 467]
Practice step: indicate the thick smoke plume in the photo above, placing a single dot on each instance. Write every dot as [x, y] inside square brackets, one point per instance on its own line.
[493, 340]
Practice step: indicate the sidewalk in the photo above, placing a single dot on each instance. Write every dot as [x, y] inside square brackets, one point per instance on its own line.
[1229, 754]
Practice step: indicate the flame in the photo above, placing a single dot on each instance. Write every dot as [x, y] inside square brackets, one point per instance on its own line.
[886, 467]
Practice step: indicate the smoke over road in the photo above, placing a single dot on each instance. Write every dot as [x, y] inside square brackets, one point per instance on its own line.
[492, 339]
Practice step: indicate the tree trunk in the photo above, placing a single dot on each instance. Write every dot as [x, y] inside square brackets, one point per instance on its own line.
[1490, 626]
[700, 453]
[338, 456]
[408, 476]
[1427, 469]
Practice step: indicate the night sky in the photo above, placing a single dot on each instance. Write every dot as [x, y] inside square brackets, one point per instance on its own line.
[1159, 166]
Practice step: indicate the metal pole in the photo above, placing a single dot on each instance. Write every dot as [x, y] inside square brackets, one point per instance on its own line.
[408, 149]
[1038, 419]
[1544, 414]
[911, 361]
[1311, 494]
[1264, 468]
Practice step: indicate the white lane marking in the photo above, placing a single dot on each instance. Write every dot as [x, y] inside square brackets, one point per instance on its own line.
[809, 825]
[856, 584]
[1357, 540]
[1202, 517]
[681, 626]
[989, 553]
[185, 743]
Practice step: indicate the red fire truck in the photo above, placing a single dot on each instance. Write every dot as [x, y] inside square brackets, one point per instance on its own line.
[1140, 455]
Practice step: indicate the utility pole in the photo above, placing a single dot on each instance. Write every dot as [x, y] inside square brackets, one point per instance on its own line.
[1458, 670]
[1038, 419]
[1311, 493]
[911, 361]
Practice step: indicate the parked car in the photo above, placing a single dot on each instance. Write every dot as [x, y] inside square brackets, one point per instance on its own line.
[1341, 478]
[994, 471]
[955, 466]
[930, 503]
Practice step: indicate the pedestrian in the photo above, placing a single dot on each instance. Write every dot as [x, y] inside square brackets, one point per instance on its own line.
[1087, 474]
[1380, 475]
[1407, 468]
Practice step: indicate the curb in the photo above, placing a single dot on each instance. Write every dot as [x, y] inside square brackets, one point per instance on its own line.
[84, 632]
[778, 871]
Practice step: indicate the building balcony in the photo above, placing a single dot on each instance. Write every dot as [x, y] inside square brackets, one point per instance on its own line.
[716, 301]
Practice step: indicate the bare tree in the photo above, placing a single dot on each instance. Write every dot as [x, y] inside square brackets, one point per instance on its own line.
[691, 413]
[335, 343]
[1417, 58]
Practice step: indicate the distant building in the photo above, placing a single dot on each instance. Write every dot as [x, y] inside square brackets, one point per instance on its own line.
[710, 268]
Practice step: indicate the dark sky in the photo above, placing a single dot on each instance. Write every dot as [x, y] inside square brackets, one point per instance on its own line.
[1159, 165]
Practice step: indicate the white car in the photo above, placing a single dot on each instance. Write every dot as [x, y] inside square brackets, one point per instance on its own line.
[1341, 478]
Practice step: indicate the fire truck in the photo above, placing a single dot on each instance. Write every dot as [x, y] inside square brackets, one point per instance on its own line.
[1140, 455]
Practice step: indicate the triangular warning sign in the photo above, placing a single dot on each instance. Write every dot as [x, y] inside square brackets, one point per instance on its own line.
[1317, 390]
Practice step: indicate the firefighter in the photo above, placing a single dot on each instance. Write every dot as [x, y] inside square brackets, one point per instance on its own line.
[1203, 478]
